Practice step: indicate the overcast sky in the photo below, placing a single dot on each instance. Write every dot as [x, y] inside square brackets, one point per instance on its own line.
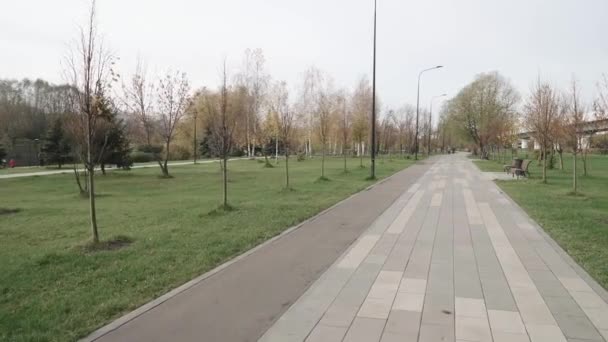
[518, 38]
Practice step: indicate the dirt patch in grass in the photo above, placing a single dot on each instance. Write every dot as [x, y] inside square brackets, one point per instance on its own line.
[112, 244]
[8, 211]
[221, 210]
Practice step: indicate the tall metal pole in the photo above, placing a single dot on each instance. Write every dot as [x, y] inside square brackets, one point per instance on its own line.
[428, 145]
[373, 142]
[418, 109]
[417, 117]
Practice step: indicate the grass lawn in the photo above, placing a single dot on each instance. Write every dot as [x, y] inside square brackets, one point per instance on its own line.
[489, 165]
[52, 290]
[578, 223]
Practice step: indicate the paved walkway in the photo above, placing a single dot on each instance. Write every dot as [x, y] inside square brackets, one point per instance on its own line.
[453, 259]
[242, 300]
[39, 171]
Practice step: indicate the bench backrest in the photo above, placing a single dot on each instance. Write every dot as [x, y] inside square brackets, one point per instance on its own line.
[525, 164]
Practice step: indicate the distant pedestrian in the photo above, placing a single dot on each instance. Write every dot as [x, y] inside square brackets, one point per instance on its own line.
[12, 163]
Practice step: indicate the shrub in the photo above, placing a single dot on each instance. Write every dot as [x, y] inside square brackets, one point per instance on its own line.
[601, 143]
[142, 157]
[301, 156]
[154, 149]
[180, 153]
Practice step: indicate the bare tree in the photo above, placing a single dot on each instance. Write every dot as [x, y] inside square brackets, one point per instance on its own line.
[223, 110]
[324, 109]
[541, 118]
[173, 100]
[89, 71]
[255, 81]
[404, 122]
[345, 126]
[307, 102]
[360, 104]
[138, 100]
[601, 103]
[574, 114]
[285, 117]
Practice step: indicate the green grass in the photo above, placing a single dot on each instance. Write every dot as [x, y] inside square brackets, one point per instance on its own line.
[489, 165]
[578, 223]
[55, 286]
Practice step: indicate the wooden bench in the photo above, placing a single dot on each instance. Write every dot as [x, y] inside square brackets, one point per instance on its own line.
[521, 171]
[516, 163]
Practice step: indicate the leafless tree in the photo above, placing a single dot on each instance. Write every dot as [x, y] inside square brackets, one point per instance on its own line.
[138, 100]
[285, 117]
[255, 80]
[574, 115]
[307, 102]
[88, 69]
[345, 126]
[324, 109]
[172, 102]
[223, 111]
[541, 117]
[360, 104]
[601, 103]
[404, 122]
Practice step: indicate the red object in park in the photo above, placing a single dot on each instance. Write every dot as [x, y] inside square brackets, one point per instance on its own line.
[12, 163]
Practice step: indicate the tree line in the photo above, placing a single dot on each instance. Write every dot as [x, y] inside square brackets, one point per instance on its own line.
[100, 117]
[488, 113]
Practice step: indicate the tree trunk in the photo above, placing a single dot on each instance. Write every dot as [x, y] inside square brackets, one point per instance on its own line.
[91, 181]
[287, 171]
[276, 150]
[164, 164]
[225, 179]
[574, 174]
[103, 168]
[584, 158]
[77, 177]
[360, 157]
[92, 205]
[344, 153]
[544, 165]
[323, 162]
[561, 159]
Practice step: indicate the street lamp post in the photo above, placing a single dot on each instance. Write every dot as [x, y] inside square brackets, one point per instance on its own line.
[428, 152]
[418, 109]
[373, 142]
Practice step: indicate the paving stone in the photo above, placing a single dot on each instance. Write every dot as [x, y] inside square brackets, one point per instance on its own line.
[564, 306]
[365, 330]
[545, 333]
[408, 302]
[473, 329]
[403, 322]
[412, 285]
[435, 333]
[506, 322]
[508, 337]
[577, 327]
[470, 307]
[325, 333]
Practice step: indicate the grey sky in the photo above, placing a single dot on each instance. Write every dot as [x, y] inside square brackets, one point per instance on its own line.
[518, 38]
